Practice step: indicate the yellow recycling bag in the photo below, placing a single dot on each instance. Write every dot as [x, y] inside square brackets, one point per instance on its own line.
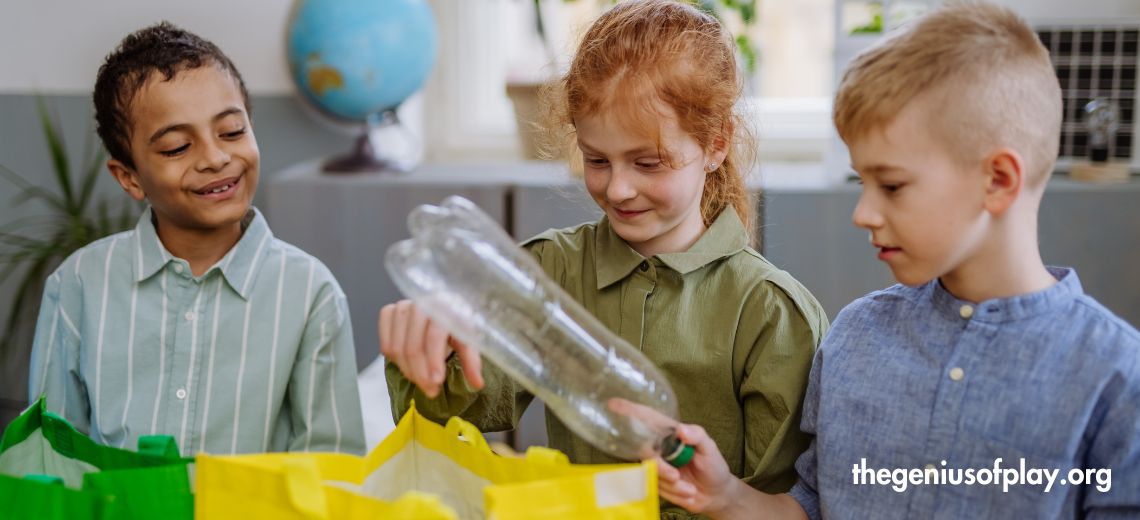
[423, 471]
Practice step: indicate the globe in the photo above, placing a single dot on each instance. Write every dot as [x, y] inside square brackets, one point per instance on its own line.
[355, 58]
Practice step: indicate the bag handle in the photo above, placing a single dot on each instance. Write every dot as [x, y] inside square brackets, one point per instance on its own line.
[546, 455]
[24, 426]
[163, 446]
[457, 427]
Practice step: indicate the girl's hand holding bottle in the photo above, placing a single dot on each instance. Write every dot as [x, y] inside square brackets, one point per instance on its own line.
[420, 348]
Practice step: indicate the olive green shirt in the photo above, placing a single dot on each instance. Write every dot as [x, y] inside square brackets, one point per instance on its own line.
[733, 334]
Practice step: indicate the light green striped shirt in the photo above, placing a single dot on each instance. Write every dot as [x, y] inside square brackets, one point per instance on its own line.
[254, 355]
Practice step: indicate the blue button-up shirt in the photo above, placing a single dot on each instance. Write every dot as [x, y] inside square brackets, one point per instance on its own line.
[927, 390]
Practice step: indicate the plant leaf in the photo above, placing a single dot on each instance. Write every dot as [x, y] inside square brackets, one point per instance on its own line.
[32, 246]
[91, 174]
[25, 302]
[58, 153]
[12, 239]
[744, 44]
[29, 191]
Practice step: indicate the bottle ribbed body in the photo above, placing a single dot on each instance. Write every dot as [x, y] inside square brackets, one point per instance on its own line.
[468, 275]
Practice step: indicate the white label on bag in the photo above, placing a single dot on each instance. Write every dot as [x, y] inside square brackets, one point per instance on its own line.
[620, 486]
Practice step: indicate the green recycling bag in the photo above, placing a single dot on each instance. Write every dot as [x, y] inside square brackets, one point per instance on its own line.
[151, 483]
[41, 497]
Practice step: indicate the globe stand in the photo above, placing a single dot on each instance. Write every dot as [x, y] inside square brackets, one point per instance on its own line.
[363, 157]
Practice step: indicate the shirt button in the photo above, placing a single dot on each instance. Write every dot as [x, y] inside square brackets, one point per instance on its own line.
[178, 268]
[930, 468]
[644, 266]
[966, 311]
[189, 316]
[956, 374]
[181, 393]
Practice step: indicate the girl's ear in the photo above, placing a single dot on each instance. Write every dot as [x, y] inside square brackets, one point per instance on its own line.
[718, 152]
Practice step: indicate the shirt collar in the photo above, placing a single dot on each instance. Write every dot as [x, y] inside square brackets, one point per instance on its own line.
[236, 266]
[150, 254]
[725, 237]
[1067, 288]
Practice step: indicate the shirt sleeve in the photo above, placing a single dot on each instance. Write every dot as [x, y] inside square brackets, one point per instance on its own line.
[806, 490]
[1116, 447]
[497, 407]
[772, 390]
[323, 393]
[54, 369]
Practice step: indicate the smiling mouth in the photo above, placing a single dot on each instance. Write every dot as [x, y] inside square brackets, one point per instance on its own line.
[629, 213]
[219, 188]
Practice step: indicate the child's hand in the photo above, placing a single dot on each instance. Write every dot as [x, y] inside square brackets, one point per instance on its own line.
[705, 484]
[420, 348]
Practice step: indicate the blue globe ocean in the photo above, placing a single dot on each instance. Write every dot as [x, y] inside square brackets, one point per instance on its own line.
[353, 58]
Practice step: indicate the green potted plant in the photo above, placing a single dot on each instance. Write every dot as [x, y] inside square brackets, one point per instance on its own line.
[32, 247]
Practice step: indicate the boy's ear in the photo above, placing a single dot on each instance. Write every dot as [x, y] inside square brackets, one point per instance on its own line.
[128, 178]
[1005, 178]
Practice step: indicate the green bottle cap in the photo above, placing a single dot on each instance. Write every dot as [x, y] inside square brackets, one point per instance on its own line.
[682, 457]
[675, 452]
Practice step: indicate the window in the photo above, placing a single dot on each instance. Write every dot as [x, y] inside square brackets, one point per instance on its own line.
[1094, 61]
[483, 43]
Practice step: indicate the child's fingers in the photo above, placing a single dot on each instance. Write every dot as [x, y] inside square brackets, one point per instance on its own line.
[391, 343]
[435, 348]
[696, 436]
[399, 334]
[666, 473]
[417, 351]
[682, 494]
[385, 326]
[399, 349]
[641, 413]
[472, 365]
[672, 486]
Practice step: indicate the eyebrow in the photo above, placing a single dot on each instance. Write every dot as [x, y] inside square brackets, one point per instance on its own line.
[878, 169]
[184, 126]
[636, 151]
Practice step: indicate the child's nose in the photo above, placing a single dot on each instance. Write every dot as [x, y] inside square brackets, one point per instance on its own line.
[213, 157]
[866, 216]
[621, 185]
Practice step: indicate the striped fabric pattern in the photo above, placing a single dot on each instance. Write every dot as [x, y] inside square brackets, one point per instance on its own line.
[254, 355]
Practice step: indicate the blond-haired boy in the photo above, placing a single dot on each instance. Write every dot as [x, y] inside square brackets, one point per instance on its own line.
[985, 384]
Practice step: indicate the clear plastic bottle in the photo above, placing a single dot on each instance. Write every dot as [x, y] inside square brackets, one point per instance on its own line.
[464, 272]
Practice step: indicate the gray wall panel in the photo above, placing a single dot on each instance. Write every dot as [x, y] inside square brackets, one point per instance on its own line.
[348, 222]
[1094, 228]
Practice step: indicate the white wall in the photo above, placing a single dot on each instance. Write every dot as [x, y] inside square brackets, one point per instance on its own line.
[56, 46]
[1073, 10]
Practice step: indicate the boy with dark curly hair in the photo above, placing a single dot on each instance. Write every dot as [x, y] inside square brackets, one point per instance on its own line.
[197, 323]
